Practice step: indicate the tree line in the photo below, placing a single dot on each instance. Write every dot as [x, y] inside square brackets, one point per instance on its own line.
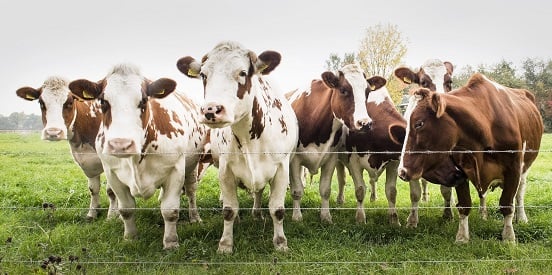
[20, 121]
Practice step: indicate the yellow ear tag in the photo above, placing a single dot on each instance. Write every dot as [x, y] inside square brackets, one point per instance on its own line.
[407, 80]
[192, 72]
[162, 92]
[87, 95]
[263, 67]
[372, 87]
[29, 96]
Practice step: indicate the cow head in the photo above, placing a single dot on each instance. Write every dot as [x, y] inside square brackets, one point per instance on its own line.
[350, 89]
[434, 75]
[56, 105]
[431, 135]
[228, 72]
[124, 95]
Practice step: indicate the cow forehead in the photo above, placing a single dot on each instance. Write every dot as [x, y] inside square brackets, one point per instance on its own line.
[124, 82]
[226, 62]
[55, 90]
[436, 70]
[355, 75]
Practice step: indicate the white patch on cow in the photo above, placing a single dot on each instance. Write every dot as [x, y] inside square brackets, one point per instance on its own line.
[463, 234]
[412, 103]
[54, 94]
[355, 76]
[497, 86]
[123, 92]
[436, 70]
[379, 96]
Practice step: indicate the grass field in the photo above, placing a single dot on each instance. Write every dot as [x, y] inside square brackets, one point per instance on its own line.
[43, 229]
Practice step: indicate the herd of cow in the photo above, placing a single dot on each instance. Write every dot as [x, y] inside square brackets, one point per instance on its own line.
[144, 136]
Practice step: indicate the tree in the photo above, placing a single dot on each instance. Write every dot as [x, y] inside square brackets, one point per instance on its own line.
[334, 63]
[381, 50]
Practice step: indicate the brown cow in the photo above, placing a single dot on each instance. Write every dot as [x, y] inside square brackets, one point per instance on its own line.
[493, 134]
[434, 75]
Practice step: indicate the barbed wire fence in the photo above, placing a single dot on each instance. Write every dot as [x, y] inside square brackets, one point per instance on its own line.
[16, 153]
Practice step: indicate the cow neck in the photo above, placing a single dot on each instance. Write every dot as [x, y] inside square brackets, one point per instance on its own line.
[315, 117]
[85, 124]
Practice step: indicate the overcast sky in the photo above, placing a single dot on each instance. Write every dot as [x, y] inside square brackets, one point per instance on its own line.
[83, 39]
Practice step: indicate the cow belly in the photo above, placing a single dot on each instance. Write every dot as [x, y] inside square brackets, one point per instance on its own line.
[255, 174]
[314, 156]
[85, 156]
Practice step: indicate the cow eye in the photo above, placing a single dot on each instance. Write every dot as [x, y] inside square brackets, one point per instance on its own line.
[243, 74]
[105, 105]
[418, 124]
[344, 92]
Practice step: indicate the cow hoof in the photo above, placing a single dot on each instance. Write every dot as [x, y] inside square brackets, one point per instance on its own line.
[297, 217]
[360, 218]
[373, 197]
[394, 219]
[326, 219]
[462, 239]
[447, 214]
[196, 220]
[170, 245]
[112, 214]
[283, 248]
[425, 197]
[224, 249]
[340, 201]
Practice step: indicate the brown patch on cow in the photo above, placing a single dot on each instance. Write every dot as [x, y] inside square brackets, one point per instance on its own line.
[246, 88]
[258, 123]
[228, 213]
[283, 124]
[87, 122]
[156, 120]
[279, 213]
[237, 140]
[126, 213]
[277, 104]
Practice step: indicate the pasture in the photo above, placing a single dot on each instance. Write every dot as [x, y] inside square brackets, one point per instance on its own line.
[43, 228]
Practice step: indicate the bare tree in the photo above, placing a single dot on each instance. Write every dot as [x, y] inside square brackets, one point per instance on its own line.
[381, 50]
[334, 62]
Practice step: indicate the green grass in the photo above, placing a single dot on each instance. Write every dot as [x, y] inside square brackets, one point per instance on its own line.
[35, 173]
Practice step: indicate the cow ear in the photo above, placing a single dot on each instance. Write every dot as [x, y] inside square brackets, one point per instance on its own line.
[267, 61]
[85, 89]
[406, 75]
[449, 67]
[161, 88]
[397, 133]
[330, 79]
[438, 104]
[189, 66]
[376, 82]
[28, 93]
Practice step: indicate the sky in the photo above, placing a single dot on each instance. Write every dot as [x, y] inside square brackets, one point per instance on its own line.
[84, 39]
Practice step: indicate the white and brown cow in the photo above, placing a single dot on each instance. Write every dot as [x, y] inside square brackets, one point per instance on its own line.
[254, 130]
[484, 132]
[66, 118]
[434, 75]
[149, 138]
[377, 150]
[326, 112]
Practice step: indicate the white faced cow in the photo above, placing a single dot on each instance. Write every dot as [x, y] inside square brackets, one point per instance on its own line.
[331, 107]
[66, 118]
[434, 75]
[254, 130]
[149, 138]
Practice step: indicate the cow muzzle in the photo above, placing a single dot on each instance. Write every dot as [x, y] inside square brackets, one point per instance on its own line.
[121, 147]
[53, 134]
[214, 114]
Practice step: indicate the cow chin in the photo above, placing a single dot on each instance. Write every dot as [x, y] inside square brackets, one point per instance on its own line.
[216, 122]
[451, 177]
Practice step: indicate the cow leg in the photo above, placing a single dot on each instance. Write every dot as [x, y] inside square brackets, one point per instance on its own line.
[391, 191]
[256, 211]
[297, 188]
[360, 190]
[230, 207]
[415, 192]
[483, 206]
[127, 205]
[520, 215]
[464, 207]
[170, 205]
[425, 191]
[512, 181]
[277, 197]
[373, 188]
[341, 181]
[94, 187]
[325, 190]
[446, 192]
[190, 188]
[113, 210]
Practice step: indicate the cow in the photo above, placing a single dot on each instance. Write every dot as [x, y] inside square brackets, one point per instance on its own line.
[149, 138]
[66, 118]
[377, 150]
[484, 132]
[253, 130]
[326, 111]
[435, 75]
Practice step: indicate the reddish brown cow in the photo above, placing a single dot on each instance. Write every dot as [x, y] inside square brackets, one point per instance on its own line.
[493, 134]
[66, 118]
